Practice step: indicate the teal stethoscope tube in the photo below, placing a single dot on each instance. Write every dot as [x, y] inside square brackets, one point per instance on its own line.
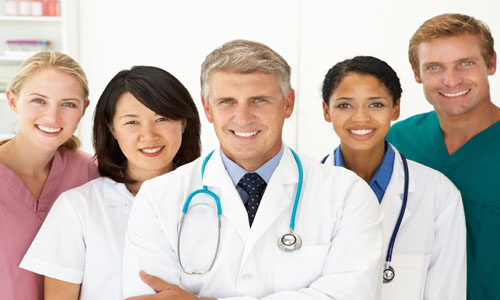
[283, 243]
[205, 189]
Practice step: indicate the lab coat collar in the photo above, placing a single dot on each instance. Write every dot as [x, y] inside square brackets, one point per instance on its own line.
[279, 195]
[118, 194]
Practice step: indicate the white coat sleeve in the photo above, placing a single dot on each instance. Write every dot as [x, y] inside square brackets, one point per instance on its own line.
[58, 250]
[446, 276]
[146, 248]
[352, 269]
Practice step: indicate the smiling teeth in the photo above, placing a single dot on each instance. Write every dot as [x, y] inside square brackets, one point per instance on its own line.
[361, 131]
[49, 129]
[456, 94]
[246, 134]
[152, 150]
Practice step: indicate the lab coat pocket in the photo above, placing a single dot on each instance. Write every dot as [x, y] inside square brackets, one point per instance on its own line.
[409, 281]
[298, 269]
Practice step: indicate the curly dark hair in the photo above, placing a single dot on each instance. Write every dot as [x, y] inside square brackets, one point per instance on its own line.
[368, 65]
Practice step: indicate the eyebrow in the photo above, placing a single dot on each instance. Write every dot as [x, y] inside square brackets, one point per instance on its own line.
[64, 99]
[128, 116]
[36, 94]
[369, 98]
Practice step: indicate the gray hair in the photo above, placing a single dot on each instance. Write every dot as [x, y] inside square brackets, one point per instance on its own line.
[243, 57]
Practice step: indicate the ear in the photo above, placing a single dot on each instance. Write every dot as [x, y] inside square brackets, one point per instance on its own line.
[86, 103]
[207, 109]
[111, 129]
[326, 112]
[11, 99]
[289, 103]
[493, 64]
[416, 74]
[184, 123]
[396, 110]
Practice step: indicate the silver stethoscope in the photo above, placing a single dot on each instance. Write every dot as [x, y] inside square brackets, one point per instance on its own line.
[288, 242]
[389, 273]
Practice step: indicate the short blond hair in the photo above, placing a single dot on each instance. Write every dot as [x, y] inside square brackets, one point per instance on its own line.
[448, 25]
[58, 61]
[243, 57]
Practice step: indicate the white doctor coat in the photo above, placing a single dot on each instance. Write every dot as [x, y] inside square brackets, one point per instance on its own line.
[82, 239]
[338, 218]
[429, 255]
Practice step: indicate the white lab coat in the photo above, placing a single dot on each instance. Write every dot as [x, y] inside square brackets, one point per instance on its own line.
[338, 218]
[429, 256]
[82, 239]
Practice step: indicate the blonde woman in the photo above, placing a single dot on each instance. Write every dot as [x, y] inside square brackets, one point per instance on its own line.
[49, 92]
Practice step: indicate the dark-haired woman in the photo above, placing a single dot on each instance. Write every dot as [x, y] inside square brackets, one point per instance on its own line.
[424, 231]
[145, 124]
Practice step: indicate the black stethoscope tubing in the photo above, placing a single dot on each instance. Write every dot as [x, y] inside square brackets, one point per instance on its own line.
[388, 270]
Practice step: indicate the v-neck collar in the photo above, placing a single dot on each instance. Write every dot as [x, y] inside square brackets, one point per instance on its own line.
[49, 190]
[473, 145]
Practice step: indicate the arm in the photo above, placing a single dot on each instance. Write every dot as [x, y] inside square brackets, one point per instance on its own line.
[352, 268]
[60, 290]
[446, 276]
[164, 290]
[58, 249]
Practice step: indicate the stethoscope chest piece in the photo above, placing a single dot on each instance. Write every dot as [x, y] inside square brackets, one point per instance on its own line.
[388, 274]
[290, 242]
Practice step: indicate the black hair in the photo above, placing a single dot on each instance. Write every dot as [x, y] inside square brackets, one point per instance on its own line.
[159, 91]
[368, 65]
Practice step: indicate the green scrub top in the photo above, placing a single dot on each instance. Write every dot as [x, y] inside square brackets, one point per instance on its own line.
[475, 170]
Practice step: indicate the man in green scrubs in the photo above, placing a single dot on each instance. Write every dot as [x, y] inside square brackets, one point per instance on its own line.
[452, 56]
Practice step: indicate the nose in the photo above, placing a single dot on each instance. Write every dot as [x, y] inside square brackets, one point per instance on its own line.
[452, 77]
[52, 114]
[361, 114]
[148, 132]
[243, 114]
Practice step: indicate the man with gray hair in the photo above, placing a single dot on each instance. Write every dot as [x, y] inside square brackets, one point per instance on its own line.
[253, 219]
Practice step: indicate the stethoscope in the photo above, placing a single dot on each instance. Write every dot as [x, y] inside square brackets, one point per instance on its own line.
[389, 273]
[288, 242]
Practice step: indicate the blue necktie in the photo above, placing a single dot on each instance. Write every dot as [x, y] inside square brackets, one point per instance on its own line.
[255, 186]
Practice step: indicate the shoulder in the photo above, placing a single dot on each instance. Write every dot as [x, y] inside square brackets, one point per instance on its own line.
[173, 182]
[79, 160]
[412, 125]
[432, 184]
[87, 192]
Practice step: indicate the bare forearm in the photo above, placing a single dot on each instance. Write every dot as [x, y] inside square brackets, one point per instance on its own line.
[56, 289]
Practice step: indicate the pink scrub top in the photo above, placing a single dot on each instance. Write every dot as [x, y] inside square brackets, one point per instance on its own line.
[21, 216]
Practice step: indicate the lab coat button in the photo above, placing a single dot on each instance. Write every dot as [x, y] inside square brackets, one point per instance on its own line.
[247, 276]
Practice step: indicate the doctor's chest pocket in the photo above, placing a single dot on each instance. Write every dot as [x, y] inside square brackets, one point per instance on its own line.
[410, 275]
[298, 269]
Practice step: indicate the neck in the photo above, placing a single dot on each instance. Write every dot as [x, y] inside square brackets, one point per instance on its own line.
[363, 162]
[140, 175]
[458, 130]
[22, 157]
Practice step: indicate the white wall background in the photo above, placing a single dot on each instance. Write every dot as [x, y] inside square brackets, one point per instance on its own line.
[311, 35]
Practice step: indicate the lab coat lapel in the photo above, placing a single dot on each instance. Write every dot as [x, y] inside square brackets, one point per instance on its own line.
[277, 198]
[393, 198]
[218, 181]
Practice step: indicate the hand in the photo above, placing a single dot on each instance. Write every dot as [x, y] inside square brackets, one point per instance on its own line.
[164, 290]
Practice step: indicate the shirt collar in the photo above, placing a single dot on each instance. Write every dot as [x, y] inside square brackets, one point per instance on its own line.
[382, 176]
[265, 171]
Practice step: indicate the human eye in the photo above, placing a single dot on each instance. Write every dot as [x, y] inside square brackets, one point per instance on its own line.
[131, 122]
[377, 104]
[69, 104]
[432, 68]
[38, 100]
[161, 119]
[342, 105]
[226, 101]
